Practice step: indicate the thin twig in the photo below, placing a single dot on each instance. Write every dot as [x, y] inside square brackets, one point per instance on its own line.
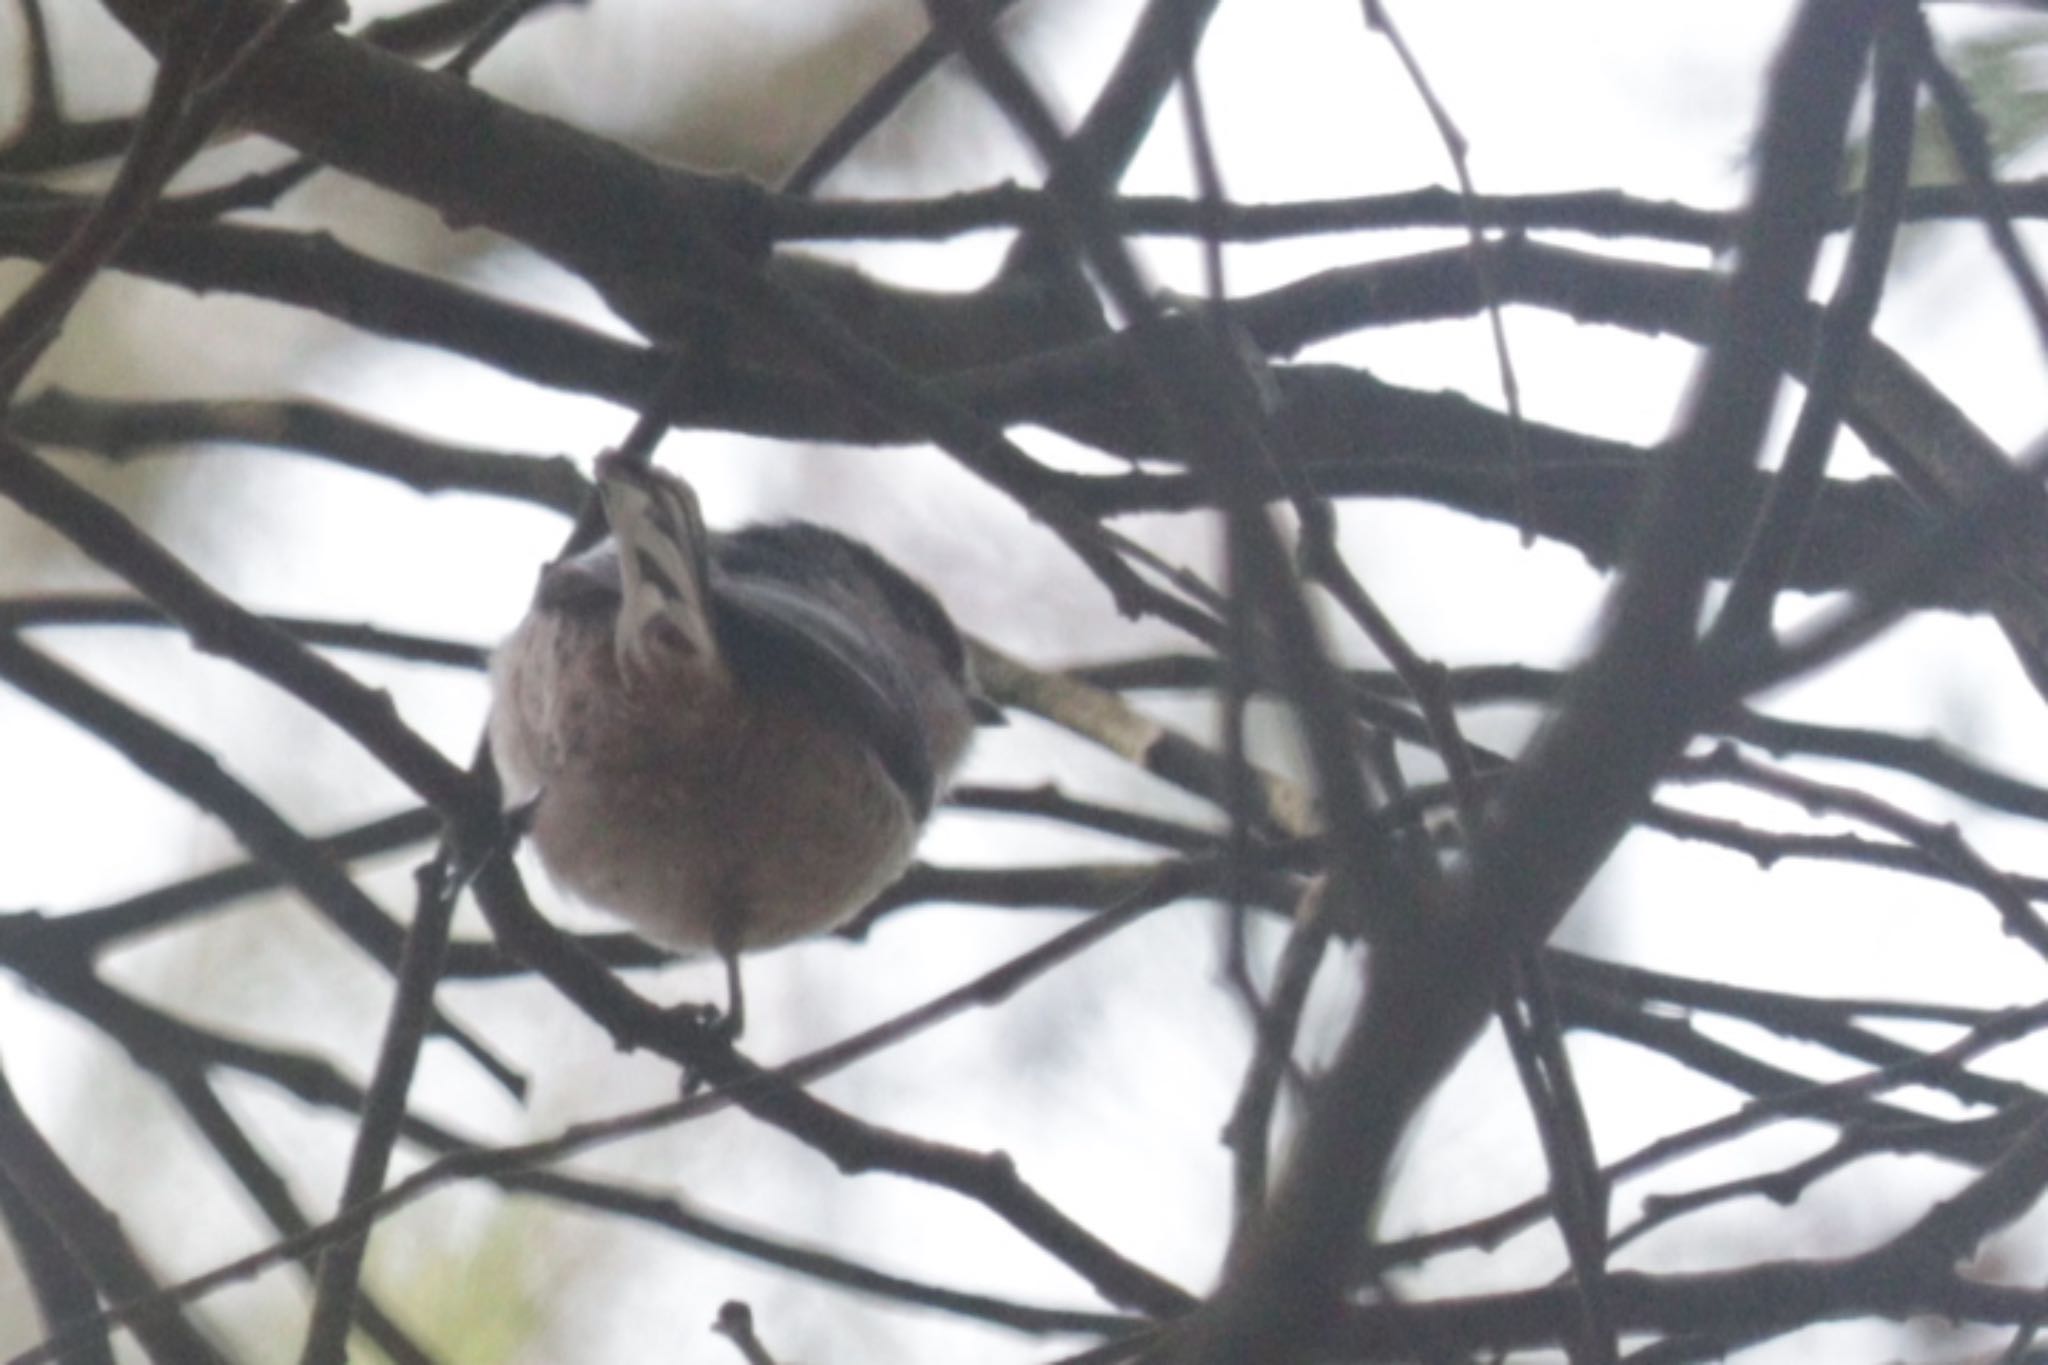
[1966, 137]
[336, 1284]
[1380, 21]
[1781, 529]
[1577, 1191]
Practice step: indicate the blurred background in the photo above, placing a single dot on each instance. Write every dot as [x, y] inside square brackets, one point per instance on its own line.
[1109, 1081]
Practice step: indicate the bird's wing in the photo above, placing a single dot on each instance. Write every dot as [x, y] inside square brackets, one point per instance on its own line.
[778, 636]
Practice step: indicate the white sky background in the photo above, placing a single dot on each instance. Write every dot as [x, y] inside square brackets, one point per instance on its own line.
[1108, 1084]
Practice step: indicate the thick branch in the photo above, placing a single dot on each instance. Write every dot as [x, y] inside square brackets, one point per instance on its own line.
[1587, 774]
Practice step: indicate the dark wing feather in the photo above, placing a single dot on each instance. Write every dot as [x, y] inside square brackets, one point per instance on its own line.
[776, 637]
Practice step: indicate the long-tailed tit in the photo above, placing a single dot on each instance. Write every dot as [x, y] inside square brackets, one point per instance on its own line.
[729, 740]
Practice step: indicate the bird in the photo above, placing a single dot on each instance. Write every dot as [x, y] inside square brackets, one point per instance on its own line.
[729, 740]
